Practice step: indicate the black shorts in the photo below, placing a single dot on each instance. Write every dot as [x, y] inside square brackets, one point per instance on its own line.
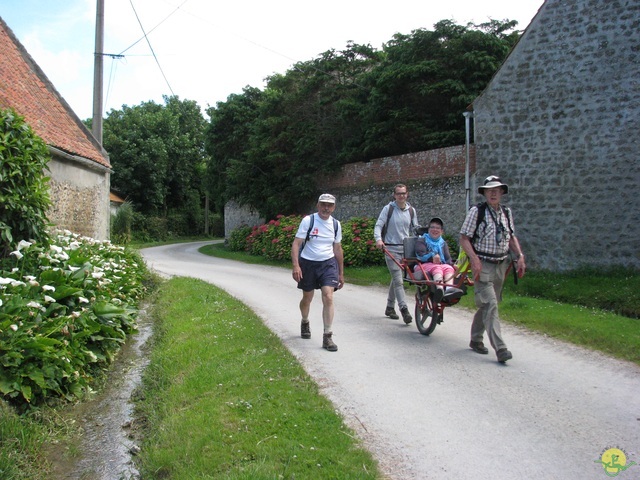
[316, 275]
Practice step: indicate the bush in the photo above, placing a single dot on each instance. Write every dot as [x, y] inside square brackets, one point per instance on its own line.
[454, 247]
[24, 190]
[65, 310]
[238, 239]
[122, 223]
[358, 243]
[273, 240]
[151, 228]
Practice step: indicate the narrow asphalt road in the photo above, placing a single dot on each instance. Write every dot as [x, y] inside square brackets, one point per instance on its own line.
[429, 407]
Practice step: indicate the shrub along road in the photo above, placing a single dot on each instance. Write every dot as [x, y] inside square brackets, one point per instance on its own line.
[429, 407]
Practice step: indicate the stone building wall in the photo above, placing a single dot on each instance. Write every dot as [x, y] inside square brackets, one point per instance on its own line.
[559, 122]
[79, 197]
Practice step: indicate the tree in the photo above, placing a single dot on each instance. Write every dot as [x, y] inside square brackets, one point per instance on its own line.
[227, 142]
[134, 138]
[157, 153]
[268, 148]
[24, 188]
[426, 81]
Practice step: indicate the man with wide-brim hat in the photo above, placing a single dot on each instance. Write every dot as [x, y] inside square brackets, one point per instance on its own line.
[493, 182]
[488, 236]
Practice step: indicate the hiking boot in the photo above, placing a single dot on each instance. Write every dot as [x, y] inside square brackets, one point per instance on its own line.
[305, 330]
[391, 313]
[478, 347]
[406, 316]
[328, 344]
[504, 355]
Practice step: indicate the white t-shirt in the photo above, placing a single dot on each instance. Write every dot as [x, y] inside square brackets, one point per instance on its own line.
[321, 238]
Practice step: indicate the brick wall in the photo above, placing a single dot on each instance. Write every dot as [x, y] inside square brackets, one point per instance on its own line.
[435, 180]
[559, 122]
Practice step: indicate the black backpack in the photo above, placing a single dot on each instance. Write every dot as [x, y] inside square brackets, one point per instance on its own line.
[482, 212]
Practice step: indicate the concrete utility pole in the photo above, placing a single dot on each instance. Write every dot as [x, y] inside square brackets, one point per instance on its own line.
[98, 72]
[467, 180]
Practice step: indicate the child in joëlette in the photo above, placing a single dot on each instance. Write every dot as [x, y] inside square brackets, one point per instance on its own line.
[435, 259]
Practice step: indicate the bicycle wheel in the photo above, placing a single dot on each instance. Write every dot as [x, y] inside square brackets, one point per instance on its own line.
[426, 318]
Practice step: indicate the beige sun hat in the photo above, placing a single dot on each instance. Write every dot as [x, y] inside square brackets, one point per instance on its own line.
[493, 181]
[327, 198]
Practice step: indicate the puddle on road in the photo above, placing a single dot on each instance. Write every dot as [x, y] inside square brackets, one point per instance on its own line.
[105, 447]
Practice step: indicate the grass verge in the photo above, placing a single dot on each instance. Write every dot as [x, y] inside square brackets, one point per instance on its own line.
[223, 398]
[21, 440]
[591, 328]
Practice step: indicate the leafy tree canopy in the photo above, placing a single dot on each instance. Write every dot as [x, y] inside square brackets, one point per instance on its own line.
[268, 148]
[157, 154]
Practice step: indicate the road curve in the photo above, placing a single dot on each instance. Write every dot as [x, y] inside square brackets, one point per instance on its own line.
[429, 407]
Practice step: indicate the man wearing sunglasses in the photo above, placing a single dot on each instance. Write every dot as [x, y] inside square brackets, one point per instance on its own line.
[487, 242]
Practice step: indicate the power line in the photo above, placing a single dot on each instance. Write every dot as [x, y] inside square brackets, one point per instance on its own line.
[264, 47]
[151, 48]
[161, 22]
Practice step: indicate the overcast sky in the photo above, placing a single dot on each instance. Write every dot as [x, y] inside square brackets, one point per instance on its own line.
[206, 50]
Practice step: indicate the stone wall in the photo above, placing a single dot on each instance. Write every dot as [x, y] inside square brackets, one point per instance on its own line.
[559, 123]
[236, 215]
[79, 197]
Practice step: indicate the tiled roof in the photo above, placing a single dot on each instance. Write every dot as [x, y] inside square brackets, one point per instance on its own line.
[25, 88]
[115, 198]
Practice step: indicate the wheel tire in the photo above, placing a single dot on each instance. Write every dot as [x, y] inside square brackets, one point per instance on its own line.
[426, 318]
